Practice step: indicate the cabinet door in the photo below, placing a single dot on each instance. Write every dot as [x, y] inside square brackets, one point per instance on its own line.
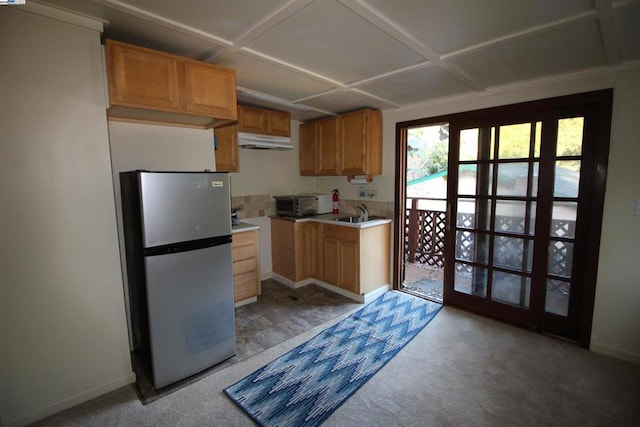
[307, 251]
[278, 123]
[252, 120]
[353, 139]
[349, 265]
[331, 260]
[283, 247]
[227, 149]
[308, 149]
[142, 78]
[210, 90]
[327, 147]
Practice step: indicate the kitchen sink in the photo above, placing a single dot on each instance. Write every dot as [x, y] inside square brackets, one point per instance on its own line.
[357, 219]
[353, 219]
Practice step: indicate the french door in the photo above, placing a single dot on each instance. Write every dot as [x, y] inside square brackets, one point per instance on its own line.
[525, 195]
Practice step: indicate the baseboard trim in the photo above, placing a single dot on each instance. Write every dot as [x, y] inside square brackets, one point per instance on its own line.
[365, 298]
[69, 402]
[245, 301]
[615, 352]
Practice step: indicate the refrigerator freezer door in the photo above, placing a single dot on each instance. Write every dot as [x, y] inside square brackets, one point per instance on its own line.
[183, 206]
[191, 312]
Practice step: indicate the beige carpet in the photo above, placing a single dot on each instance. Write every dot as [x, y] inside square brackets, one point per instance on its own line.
[461, 370]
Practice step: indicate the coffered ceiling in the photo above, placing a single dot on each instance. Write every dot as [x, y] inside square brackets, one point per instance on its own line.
[319, 57]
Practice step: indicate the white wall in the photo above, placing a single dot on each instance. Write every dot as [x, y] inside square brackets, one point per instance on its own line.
[271, 171]
[63, 333]
[616, 313]
[156, 148]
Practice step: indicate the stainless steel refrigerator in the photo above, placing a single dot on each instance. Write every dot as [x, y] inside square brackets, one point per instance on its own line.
[177, 229]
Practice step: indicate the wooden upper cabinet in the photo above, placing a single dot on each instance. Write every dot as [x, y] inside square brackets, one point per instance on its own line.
[142, 78]
[210, 91]
[308, 149]
[350, 144]
[327, 147]
[150, 86]
[361, 143]
[278, 123]
[319, 147]
[263, 122]
[227, 149]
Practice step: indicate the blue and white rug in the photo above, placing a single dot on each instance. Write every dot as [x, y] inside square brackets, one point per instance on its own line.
[304, 386]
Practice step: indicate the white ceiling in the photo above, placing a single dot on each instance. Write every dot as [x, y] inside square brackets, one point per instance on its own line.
[332, 56]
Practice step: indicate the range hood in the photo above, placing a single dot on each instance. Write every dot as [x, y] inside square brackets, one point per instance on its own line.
[264, 142]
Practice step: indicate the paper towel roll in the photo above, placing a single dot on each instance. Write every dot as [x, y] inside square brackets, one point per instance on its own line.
[359, 180]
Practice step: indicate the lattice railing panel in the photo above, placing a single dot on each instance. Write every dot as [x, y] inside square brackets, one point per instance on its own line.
[425, 240]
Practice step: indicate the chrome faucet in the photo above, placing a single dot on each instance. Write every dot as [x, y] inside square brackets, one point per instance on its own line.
[364, 215]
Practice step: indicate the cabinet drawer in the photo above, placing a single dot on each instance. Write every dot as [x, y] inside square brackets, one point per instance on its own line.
[340, 232]
[244, 252]
[245, 266]
[245, 238]
[245, 285]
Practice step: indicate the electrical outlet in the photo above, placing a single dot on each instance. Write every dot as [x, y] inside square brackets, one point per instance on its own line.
[371, 192]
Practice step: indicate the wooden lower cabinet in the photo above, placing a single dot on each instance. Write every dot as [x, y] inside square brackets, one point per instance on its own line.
[246, 265]
[307, 254]
[354, 259]
[341, 256]
[283, 248]
[294, 248]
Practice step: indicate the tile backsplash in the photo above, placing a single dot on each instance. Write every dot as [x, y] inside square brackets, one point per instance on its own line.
[258, 205]
[384, 209]
[254, 206]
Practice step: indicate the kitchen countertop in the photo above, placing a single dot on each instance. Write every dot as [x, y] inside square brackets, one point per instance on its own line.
[332, 219]
[243, 226]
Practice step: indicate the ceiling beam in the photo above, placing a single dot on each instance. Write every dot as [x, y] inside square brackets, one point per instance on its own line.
[519, 35]
[608, 31]
[392, 29]
[290, 8]
[165, 22]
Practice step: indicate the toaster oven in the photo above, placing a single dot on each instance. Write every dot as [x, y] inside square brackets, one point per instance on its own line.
[295, 206]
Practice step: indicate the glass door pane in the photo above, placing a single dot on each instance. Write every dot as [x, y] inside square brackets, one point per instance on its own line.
[496, 213]
[564, 213]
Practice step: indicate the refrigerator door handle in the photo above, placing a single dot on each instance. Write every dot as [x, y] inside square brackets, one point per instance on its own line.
[191, 245]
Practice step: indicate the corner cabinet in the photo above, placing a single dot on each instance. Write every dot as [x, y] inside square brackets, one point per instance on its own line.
[150, 86]
[250, 120]
[347, 145]
[294, 249]
[350, 258]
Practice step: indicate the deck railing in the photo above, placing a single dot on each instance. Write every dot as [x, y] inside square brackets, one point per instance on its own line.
[424, 233]
[424, 239]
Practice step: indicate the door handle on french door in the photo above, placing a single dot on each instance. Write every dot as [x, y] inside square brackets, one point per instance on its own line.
[448, 227]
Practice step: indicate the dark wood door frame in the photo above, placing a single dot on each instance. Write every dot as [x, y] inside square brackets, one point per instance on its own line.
[600, 104]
